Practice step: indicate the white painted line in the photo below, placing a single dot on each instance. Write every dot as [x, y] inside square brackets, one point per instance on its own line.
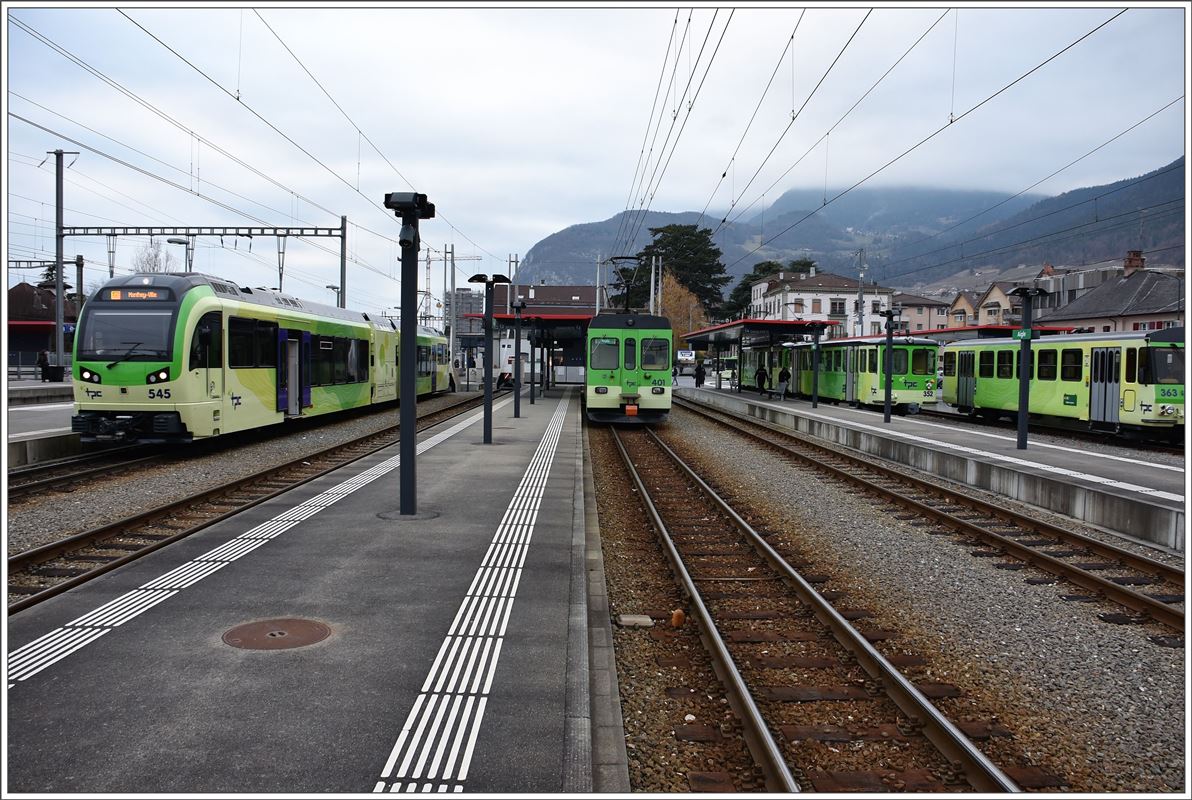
[467, 760]
[42, 407]
[17, 437]
[434, 764]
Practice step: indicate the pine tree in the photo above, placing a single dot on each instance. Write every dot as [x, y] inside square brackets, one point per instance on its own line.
[690, 255]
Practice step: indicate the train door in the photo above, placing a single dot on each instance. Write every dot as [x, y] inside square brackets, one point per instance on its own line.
[851, 357]
[630, 377]
[1105, 385]
[290, 384]
[207, 353]
[966, 379]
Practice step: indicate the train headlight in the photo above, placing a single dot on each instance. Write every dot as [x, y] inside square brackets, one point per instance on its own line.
[89, 376]
[157, 376]
[658, 390]
[1166, 410]
[601, 390]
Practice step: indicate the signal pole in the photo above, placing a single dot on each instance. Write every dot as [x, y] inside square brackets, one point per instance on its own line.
[861, 293]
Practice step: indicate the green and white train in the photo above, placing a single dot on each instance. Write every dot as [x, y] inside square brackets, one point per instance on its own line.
[1131, 381]
[176, 357]
[628, 368]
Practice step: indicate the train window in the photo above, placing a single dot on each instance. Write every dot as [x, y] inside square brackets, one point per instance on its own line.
[363, 359]
[1163, 365]
[322, 367]
[900, 361]
[206, 346]
[604, 353]
[949, 364]
[872, 360]
[423, 366]
[1047, 365]
[985, 364]
[266, 344]
[240, 342]
[922, 362]
[1005, 363]
[1131, 364]
[655, 354]
[630, 353]
[1071, 365]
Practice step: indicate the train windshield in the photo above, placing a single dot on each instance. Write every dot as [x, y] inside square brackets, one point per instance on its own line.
[656, 354]
[127, 334]
[1166, 364]
[605, 353]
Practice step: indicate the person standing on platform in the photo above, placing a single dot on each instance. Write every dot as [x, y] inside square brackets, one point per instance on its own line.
[700, 372]
[43, 364]
[763, 378]
[784, 377]
[674, 376]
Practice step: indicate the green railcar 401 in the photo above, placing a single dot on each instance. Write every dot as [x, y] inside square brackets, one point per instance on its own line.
[628, 366]
[175, 357]
[1128, 381]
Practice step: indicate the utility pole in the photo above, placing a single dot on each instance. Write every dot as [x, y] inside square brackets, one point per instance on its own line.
[78, 287]
[342, 297]
[597, 283]
[653, 260]
[861, 293]
[59, 243]
[281, 260]
[509, 293]
[111, 256]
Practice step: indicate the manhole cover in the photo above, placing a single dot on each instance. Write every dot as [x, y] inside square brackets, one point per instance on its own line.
[277, 634]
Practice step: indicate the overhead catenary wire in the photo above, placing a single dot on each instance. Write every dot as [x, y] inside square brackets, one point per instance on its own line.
[931, 136]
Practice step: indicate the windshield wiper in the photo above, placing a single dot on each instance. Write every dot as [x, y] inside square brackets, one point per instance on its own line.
[126, 354]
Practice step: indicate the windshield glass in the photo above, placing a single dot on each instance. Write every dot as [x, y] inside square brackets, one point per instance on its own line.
[1167, 364]
[655, 354]
[131, 335]
[604, 354]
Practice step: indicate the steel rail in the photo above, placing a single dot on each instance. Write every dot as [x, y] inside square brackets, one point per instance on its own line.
[22, 489]
[46, 552]
[982, 774]
[1157, 610]
[758, 738]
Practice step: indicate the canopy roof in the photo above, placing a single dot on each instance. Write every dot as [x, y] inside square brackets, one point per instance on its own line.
[756, 332]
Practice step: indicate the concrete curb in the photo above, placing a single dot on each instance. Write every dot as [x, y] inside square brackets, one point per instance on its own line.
[577, 751]
[610, 762]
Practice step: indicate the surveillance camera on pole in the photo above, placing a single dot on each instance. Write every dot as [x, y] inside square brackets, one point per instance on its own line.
[411, 207]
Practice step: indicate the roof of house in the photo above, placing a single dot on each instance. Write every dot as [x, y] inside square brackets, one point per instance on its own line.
[966, 294]
[827, 281]
[1142, 292]
[905, 299]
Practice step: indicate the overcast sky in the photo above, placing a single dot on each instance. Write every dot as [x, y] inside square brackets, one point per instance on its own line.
[519, 122]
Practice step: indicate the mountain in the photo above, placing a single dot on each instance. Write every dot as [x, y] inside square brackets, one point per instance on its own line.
[912, 236]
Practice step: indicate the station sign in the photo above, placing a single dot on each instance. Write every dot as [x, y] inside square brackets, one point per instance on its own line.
[1024, 333]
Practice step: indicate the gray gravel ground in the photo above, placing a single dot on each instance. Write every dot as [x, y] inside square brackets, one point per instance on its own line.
[1095, 702]
[39, 519]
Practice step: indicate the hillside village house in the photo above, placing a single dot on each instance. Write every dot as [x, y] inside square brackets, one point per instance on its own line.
[920, 313]
[1137, 299]
[821, 296]
[997, 306]
[962, 311]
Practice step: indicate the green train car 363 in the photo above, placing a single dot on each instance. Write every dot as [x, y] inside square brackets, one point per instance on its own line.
[628, 368]
[1131, 381]
[854, 371]
[176, 357]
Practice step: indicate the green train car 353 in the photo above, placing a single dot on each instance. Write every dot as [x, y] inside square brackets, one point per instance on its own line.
[176, 357]
[628, 368]
[854, 371]
[1129, 381]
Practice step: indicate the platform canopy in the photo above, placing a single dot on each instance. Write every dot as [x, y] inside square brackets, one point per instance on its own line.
[559, 328]
[748, 333]
[988, 332]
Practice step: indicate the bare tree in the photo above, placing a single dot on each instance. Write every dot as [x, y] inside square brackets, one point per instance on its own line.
[152, 258]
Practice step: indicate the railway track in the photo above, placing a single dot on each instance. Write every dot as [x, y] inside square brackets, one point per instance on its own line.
[65, 473]
[43, 572]
[821, 707]
[1103, 570]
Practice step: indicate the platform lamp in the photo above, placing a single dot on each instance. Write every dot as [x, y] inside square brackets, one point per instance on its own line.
[488, 282]
[335, 289]
[189, 241]
[1028, 295]
[518, 307]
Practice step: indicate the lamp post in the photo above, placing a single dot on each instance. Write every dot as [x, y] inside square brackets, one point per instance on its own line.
[335, 289]
[1028, 294]
[189, 241]
[888, 361]
[518, 307]
[411, 207]
[488, 348]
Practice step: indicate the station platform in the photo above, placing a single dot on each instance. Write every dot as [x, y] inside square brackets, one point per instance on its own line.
[1133, 497]
[460, 648]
